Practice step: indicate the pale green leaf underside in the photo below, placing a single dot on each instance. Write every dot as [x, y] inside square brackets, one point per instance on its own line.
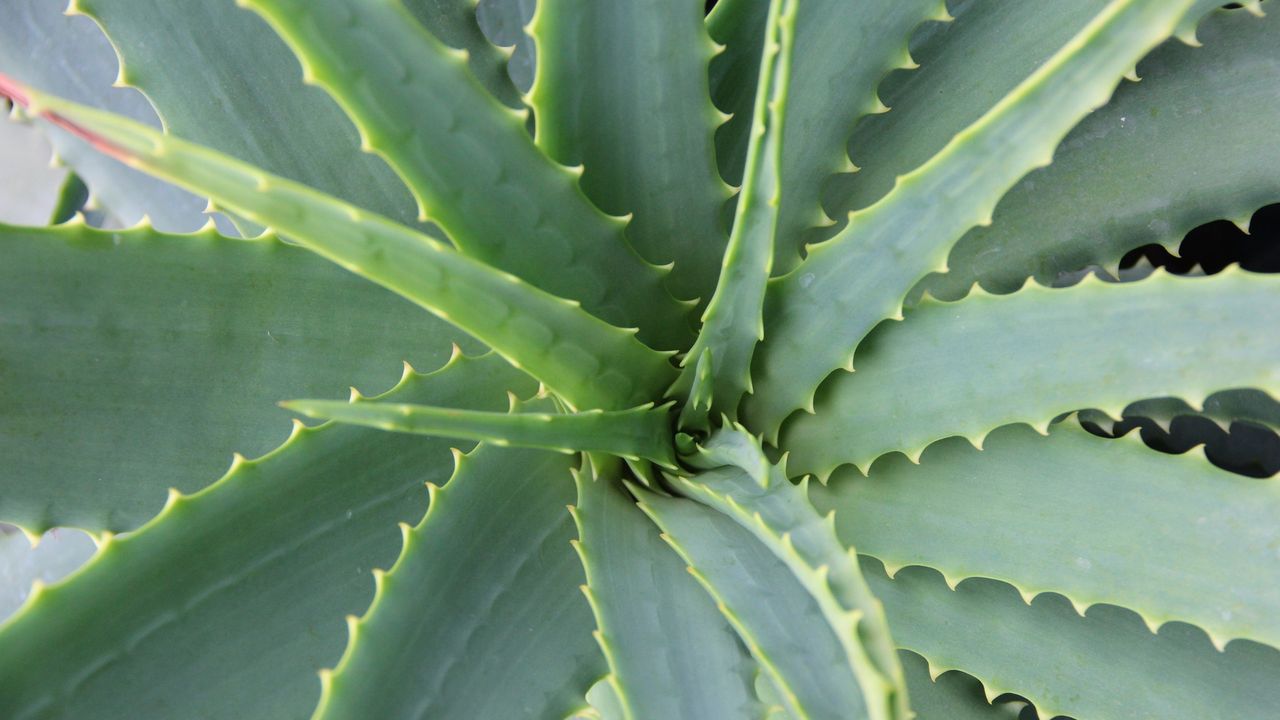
[481, 615]
[69, 55]
[132, 361]
[774, 615]
[1104, 665]
[228, 603]
[605, 69]
[670, 653]
[848, 284]
[470, 163]
[1170, 537]
[965, 368]
[585, 360]
[1140, 171]
[635, 434]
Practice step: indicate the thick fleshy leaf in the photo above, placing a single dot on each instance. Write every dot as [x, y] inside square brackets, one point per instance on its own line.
[852, 282]
[967, 367]
[1170, 537]
[739, 481]
[238, 90]
[733, 324]
[470, 163]
[42, 46]
[132, 361]
[489, 629]
[967, 65]
[1141, 170]
[604, 69]
[635, 434]
[670, 652]
[1105, 664]
[779, 621]
[503, 22]
[738, 25]
[228, 603]
[587, 361]
[950, 696]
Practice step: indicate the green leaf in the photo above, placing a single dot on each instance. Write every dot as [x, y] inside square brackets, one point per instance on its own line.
[455, 23]
[71, 199]
[732, 323]
[834, 85]
[1066, 664]
[772, 612]
[1170, 537]
[132, 360]
[491, 629]
[950, 696]
[991, 360]
[604, 69]
[639, 433]
[238, 90]
[967, 66]
[503, 22]
[228, 602]
[671, 654]
[1140, 170]
[738, 481]
[42, 46]
[469, 161]
[738, 25]
[848, 284]
[588, 362]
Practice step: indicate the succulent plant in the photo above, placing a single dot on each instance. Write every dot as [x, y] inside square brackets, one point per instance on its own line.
[800, 307]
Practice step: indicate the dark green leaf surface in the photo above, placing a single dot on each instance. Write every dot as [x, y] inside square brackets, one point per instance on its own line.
[481, 616]
[131, 361]
[228, 603]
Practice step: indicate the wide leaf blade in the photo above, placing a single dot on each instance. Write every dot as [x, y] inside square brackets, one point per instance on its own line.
[133, 361]
[481, 615]
[228, 603]
[967, 367]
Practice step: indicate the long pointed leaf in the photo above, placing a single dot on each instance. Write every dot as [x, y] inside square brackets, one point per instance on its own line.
[635, 434]
[604, 68]
[1139, 170]
[587, 361]
[226, 604]
[671, 654]
[968, 367]
[732, 323]
[132, 361]
[481, 614]
[774, 615]
[850, 283]
[1203, 551]
[469, 161]
[1065, 664]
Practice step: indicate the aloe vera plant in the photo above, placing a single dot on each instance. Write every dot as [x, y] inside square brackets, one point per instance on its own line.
[799, 307]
